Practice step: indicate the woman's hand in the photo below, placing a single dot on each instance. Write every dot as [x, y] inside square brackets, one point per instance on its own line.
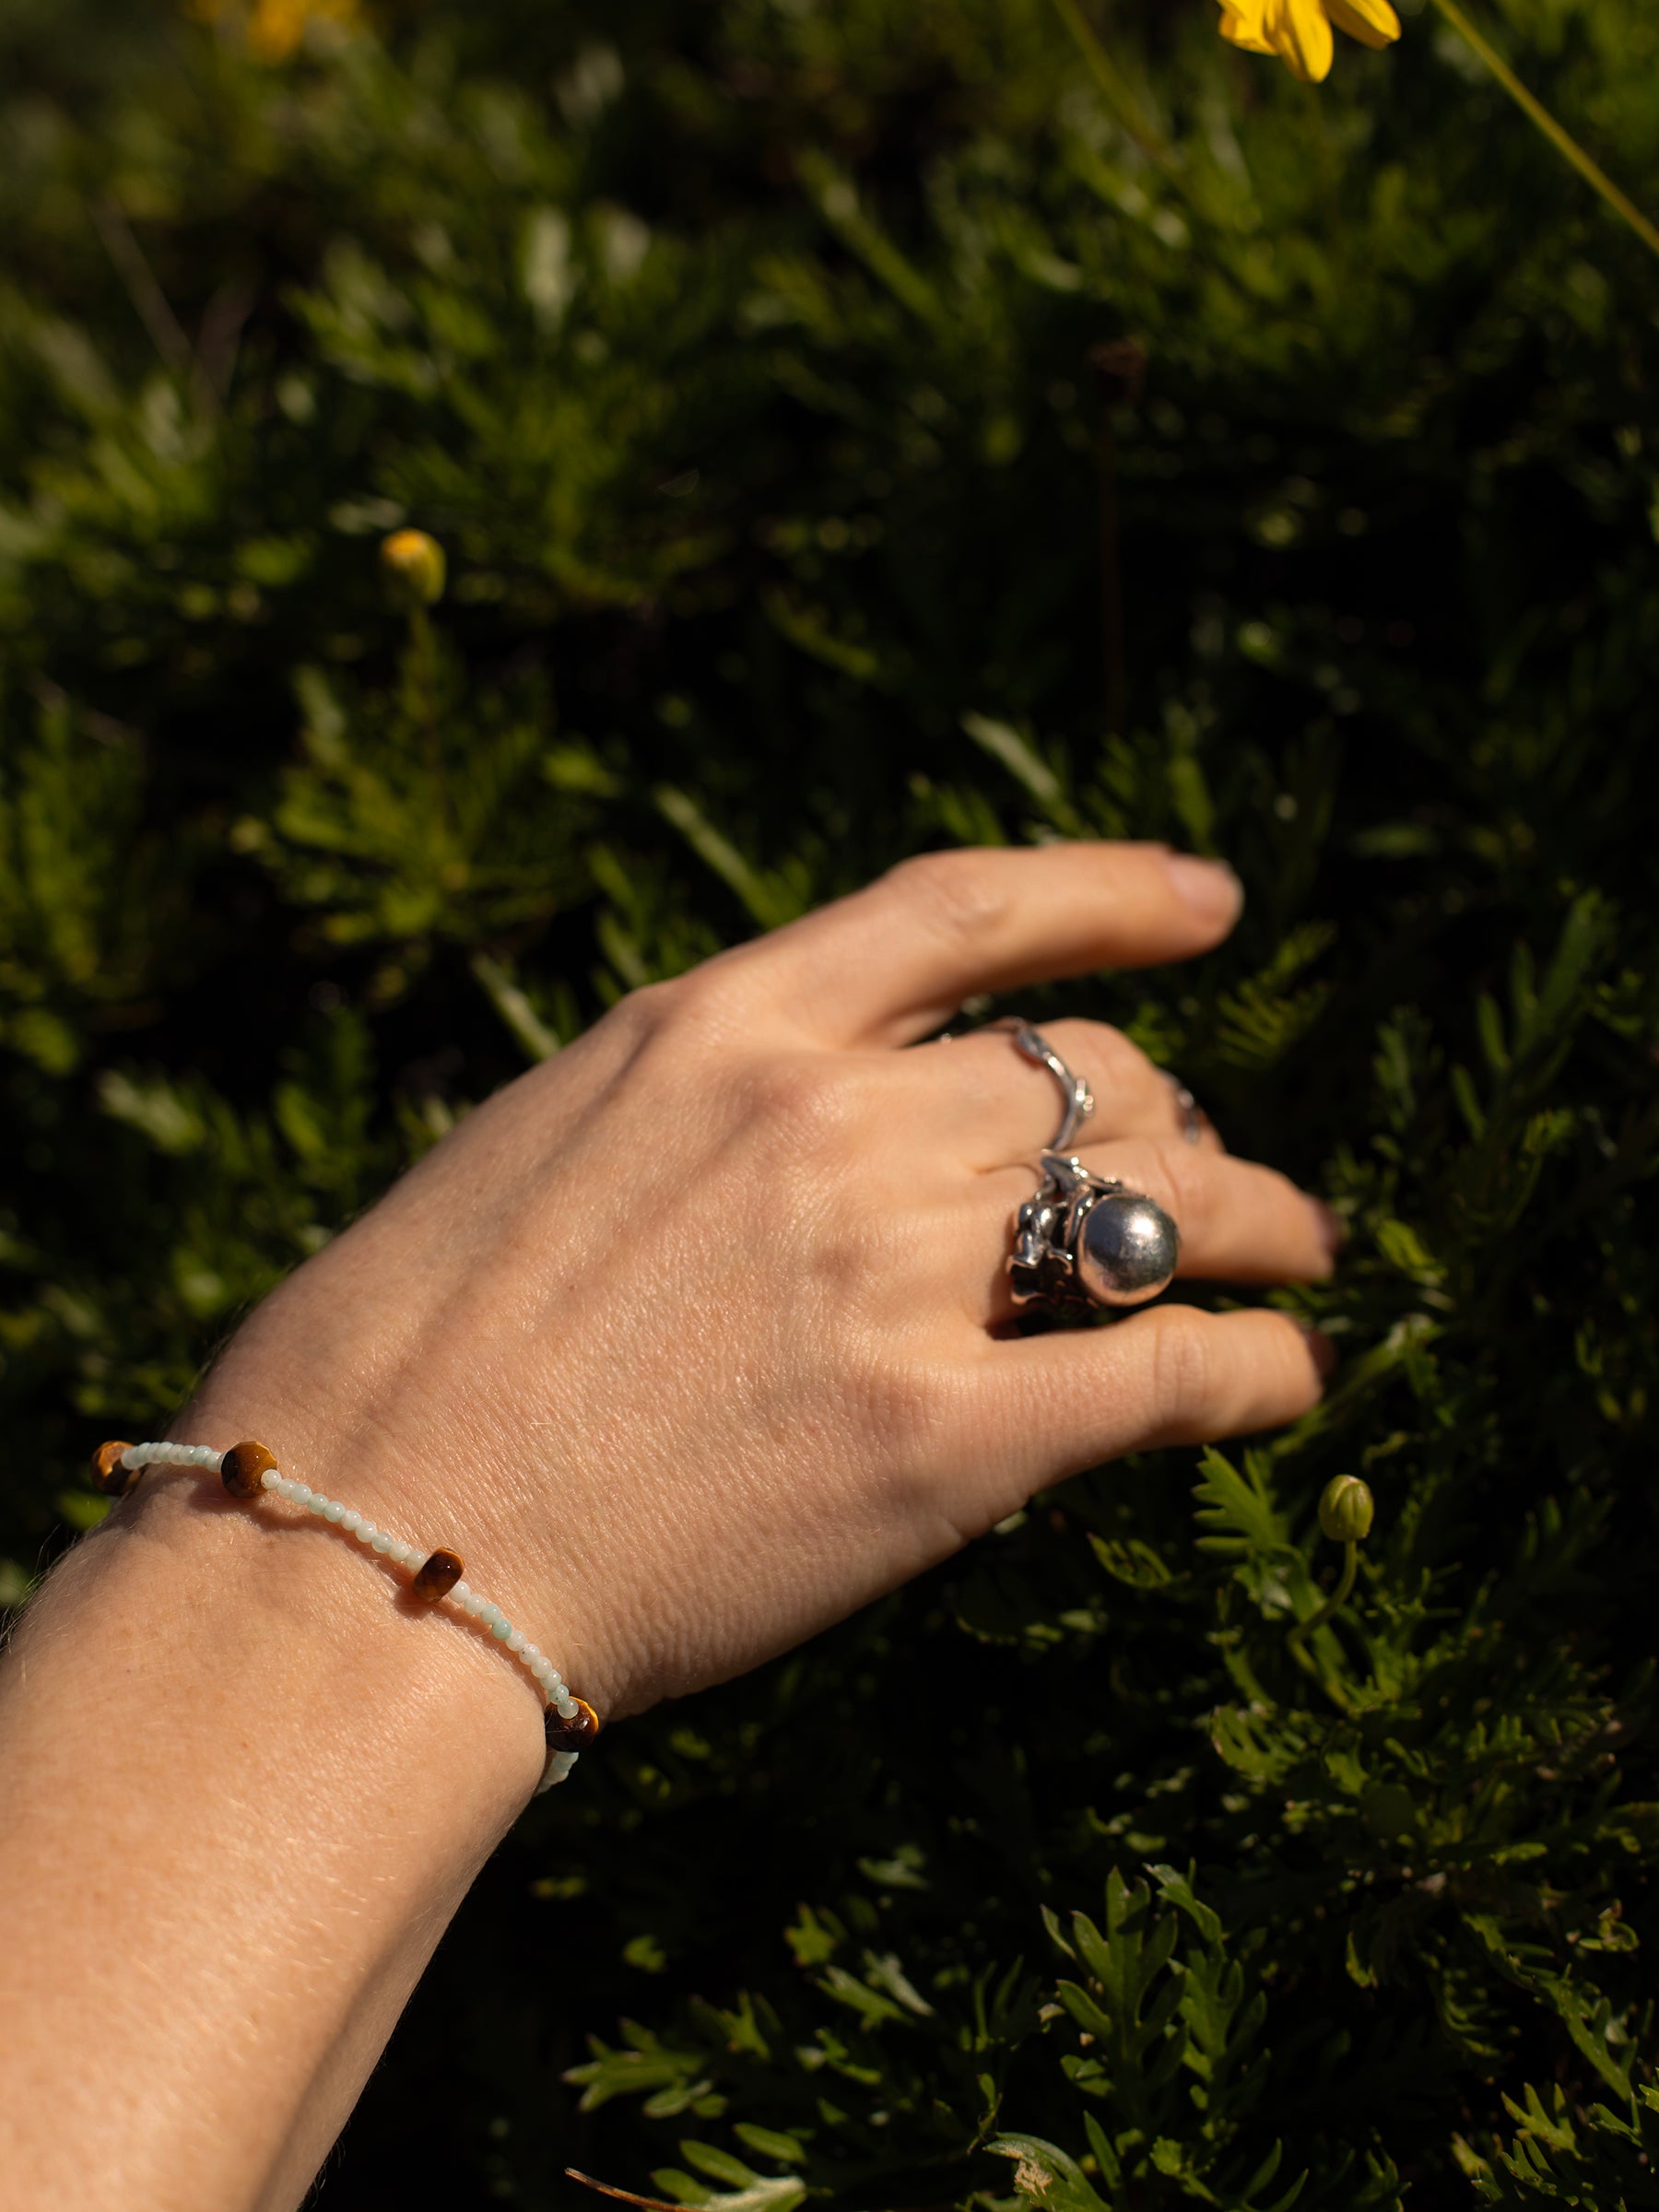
[690, 1339]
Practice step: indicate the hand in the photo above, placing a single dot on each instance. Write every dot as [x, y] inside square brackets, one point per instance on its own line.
[689, 1339]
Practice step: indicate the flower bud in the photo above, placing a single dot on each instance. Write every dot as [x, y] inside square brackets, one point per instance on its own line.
[415, 563]
[1346, 1508]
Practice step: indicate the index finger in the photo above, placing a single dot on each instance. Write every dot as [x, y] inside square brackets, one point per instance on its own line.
[893, 962]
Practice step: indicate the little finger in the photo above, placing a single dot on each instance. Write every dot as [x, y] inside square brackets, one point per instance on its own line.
[1170, 1375]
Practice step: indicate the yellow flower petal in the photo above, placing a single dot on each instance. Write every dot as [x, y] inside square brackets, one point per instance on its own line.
[1244, 30]
[1300, 33]
[1372, 22]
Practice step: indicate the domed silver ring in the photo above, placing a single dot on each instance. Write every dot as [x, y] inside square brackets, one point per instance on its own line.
[1085, 1241]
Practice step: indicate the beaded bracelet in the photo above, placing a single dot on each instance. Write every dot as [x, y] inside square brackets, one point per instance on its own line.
[249, 1469]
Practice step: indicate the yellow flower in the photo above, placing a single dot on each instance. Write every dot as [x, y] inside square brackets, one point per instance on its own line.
[1299, 32]
[275, 28]
[415, 564]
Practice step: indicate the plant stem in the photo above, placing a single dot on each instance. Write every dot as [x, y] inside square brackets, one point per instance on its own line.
[513, 1007]
[1309, 1666]
[1119, 366]
[1296, 1641]
[1350, 1566]
[1115, 86]
[1561, 139]
[423, 658]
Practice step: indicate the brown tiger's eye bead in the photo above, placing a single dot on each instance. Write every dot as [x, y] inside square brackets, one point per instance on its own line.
[439, 1576]
[241, 1468]
[108, 1474]
[570, 1735]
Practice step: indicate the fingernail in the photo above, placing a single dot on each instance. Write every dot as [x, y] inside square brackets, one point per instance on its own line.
[1332, 1230]
[1320, 1348]
[1210, 886]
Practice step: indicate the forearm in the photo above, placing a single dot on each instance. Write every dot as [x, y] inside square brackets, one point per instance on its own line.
[246, 1786]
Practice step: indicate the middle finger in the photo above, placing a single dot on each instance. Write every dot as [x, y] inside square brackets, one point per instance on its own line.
[988, 1105]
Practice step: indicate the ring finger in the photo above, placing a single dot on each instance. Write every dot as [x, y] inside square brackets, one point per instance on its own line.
[1238, 1222]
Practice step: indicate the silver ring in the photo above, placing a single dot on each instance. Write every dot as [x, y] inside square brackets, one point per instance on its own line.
[1084, 1241]
[1079, 1100]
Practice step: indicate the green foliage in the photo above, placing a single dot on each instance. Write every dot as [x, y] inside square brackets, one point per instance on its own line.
[743, 359]
[1145, 2012]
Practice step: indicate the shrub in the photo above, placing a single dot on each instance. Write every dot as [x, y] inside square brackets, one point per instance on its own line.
[772, 377]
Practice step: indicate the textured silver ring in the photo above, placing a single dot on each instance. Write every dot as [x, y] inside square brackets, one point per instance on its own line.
[1084, 1241]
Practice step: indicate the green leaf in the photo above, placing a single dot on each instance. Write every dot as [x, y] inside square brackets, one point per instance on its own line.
[1045, 2175]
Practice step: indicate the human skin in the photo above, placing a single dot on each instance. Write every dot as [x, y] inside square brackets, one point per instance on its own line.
[691, 1340]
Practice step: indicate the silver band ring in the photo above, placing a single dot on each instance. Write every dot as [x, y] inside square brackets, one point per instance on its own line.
[1084, 1241]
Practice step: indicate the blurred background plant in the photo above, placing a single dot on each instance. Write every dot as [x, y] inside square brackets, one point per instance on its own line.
[847, 429]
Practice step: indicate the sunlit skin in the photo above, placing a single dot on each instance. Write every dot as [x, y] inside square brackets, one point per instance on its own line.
[692, 1340]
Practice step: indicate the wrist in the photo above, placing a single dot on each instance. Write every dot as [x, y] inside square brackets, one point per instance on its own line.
[524, 1615]
[306, 1615]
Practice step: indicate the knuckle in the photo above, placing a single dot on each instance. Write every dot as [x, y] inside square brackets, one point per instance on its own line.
[956, 893]
[694, 1010]
[803, 1100]
[648, 1010]
[626, 1038]
[699, 996]
[854, 1248]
